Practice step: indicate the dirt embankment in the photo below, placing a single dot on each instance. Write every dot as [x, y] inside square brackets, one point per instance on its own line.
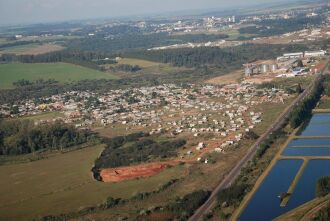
[133, 172]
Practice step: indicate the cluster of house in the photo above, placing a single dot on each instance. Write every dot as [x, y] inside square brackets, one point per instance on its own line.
[224, 111]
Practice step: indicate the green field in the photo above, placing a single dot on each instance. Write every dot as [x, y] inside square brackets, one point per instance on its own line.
[18, 49]
[324, 104]
[61, 72]
[64, 183]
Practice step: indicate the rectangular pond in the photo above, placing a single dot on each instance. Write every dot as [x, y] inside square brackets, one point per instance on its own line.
[319, 125]
[265, 203]
[305, 190]
[306, 151]
[310, 142]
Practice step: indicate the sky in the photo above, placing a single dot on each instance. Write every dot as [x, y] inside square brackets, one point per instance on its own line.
[41, 11]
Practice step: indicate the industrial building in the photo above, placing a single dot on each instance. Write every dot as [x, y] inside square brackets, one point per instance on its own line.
[260, 67]
[299, 55]
[320, 53]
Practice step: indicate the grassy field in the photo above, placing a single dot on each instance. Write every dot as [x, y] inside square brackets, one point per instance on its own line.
[61, 72]
[64, 183]
[235, 35]
[231, 78]
[324, 104]
[31, 49]
[18, 49]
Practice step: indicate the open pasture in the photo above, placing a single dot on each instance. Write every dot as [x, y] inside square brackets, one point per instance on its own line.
[64, 183]
[62, 72]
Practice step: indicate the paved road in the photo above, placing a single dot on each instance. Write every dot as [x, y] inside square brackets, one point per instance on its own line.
[234, 173]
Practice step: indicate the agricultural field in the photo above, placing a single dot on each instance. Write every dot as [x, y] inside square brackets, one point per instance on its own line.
[47, 183]
[62, 72]
[18, 49]
[31, 49]
[230, 78]
[43, 39]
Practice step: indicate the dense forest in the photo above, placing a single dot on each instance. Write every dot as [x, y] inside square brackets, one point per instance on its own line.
[23, 137]
[135, 41]
[226, 58]
[86, 59]
[267, 28]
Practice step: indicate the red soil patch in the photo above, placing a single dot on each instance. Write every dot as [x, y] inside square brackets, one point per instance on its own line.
[133, 172]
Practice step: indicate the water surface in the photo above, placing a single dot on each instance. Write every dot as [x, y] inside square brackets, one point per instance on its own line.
[305, 190]
[265, 204]
[310, 142]
[319, 125]
[306, 151]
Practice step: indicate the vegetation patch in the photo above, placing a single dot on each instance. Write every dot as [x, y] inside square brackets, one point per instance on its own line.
[133, 149]
[304, 110]
[323, 186]
[323, 214]
[23, 137]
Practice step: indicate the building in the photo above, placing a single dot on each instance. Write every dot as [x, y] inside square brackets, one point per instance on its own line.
[293, 55]
[262, 66]
[320, 53]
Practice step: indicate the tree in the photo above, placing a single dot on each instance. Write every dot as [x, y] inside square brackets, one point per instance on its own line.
[323, 186]
[300, 63]
[299, 89]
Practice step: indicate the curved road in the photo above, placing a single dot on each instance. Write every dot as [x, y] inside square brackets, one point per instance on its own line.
[234, 173]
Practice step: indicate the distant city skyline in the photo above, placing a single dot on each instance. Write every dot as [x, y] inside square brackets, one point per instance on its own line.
[41, 11]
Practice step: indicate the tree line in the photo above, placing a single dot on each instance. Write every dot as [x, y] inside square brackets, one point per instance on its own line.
[82, 58]
[127, 68]
[24, 137]
[304, 110]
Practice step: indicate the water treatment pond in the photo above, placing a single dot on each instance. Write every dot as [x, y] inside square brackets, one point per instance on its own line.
[319, 125]
[306, 151]
[305, 190]
[265, 204]
[308, 147]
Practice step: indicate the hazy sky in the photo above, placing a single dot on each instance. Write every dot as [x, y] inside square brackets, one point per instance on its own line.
[27, 11]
